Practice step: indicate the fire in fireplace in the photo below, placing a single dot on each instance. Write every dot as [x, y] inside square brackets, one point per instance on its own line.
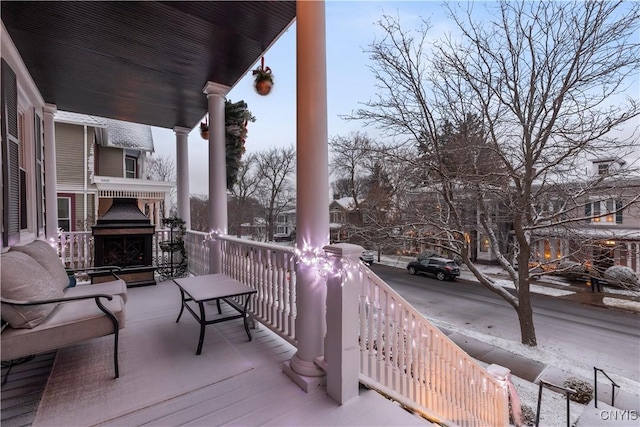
[123, 236]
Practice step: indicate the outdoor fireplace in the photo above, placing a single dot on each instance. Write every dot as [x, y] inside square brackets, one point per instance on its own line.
[123, 236]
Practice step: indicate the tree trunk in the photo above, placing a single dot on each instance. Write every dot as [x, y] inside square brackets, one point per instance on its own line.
[525, 316]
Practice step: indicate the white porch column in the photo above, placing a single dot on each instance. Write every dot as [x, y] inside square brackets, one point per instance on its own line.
[182, 174]
[51, 191]
[217, 170]
[312, 231]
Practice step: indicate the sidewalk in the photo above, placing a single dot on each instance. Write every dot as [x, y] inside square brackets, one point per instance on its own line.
[627, 400]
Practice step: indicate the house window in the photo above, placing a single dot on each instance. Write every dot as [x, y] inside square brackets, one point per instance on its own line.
[604, 211]
[484, 244]
[130, 167]
[64, 213]
[603, 168]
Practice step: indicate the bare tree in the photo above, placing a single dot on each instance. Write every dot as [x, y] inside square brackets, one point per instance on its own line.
[546, 81]
[275, 191]
[351, 162]
[370, 173]
[162, 168]
[243, 205]
[199, 212]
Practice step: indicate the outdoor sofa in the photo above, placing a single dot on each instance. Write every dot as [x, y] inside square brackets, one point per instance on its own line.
[43, 310]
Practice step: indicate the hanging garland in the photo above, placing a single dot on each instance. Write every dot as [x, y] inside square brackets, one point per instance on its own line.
[237, 116]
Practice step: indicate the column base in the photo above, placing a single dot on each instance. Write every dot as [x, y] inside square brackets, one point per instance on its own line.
[311, 380]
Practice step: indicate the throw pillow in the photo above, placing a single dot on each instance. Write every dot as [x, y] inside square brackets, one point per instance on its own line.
[47, 257]
[23, 279]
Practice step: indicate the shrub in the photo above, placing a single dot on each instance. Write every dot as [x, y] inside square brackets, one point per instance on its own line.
[571, 270]
[623, 277]
[528, 416]
[584, 390]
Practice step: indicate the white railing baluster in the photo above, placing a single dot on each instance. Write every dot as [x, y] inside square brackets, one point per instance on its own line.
[406, 357]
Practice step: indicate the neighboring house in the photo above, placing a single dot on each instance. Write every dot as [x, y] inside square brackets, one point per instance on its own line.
[601, 228]
[111, 164]
[285, 225]
[255, 230]
[608, 230]
[342, 214]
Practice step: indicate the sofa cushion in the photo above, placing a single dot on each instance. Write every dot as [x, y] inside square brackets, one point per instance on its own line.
[23, 279]
[69, 323]
[47, 257]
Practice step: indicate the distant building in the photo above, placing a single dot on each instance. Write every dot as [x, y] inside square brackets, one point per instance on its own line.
[285, 226]
[606, 230]
[98, 159]
[342, 215]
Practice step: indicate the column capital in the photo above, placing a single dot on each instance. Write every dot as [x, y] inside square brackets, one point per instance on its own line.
[180, 130]
[50, 108]
[212, 88]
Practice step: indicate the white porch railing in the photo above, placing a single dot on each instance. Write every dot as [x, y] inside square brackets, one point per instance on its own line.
[197, 252]
[76, 248]
[401, 354]
[266, 267]
[410, 360]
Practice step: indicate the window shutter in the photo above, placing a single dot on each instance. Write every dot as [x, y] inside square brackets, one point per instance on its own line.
[587, 212]
[618, 211]
[38, 170]
[10, 156]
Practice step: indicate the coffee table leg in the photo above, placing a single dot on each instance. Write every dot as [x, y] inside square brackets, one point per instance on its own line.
[203, 324]
[244, 316]
[181, 304]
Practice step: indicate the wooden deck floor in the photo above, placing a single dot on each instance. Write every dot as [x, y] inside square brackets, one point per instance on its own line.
[261, 396]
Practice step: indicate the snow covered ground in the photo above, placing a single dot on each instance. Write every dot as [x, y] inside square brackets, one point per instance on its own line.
[554, 408]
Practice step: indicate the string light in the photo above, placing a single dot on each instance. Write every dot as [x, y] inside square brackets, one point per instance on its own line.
[325, 264]
[213, 235]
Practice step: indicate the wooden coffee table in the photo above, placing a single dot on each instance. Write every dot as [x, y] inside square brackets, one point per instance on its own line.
[213, 287]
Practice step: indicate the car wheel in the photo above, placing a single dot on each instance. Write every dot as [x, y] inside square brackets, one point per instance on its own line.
[440, 275]
[412, 270]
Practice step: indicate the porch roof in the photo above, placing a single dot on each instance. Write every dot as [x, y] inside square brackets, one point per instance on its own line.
[138, 61]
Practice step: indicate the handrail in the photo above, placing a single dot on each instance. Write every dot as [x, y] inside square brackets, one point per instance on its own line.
[558, 389]
[407, 358]
[595, 386]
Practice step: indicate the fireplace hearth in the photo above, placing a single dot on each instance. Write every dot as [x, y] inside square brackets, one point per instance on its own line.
[123, 237]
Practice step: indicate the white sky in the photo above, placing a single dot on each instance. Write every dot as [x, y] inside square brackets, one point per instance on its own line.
[350, 29]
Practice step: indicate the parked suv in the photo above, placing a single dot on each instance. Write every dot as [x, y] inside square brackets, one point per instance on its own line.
[441, 268]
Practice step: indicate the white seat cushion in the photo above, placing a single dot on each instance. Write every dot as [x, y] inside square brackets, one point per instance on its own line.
[69, 323]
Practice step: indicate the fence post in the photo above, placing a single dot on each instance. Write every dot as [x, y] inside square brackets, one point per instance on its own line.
[503, 375]
[341, 350]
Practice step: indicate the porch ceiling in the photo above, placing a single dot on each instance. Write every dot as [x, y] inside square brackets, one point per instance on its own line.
[141, 61]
